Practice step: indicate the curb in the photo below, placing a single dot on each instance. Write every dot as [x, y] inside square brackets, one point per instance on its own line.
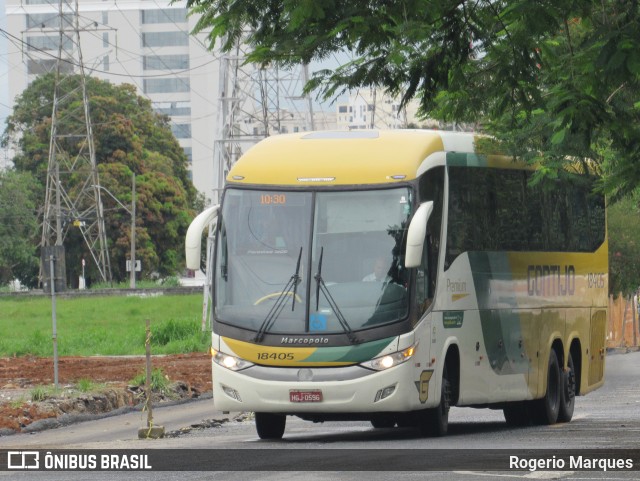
[69, 419]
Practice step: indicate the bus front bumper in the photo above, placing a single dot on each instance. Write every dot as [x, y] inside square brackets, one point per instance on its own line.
[350, 389]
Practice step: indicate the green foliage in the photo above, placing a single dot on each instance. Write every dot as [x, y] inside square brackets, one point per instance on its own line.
[624, 246]
[556, 82]
[159, 380]
[171, 281]
[90, 326]
[41, 393]
[129, 138]
[124, 284]
[87, 385]
[172, 330]
[19, 230]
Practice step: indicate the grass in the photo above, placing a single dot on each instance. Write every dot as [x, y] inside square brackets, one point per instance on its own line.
[89, 326]
[87, 386]
[41, 393]
[158, 381]
[172, 281]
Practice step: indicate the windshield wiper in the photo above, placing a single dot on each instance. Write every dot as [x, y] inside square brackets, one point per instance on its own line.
[321, 286]
[289, 289]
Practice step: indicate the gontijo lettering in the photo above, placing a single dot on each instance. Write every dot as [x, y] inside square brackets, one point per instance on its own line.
[551, 280]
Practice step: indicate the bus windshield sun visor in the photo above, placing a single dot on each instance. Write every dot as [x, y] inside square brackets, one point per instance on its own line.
[290, 289]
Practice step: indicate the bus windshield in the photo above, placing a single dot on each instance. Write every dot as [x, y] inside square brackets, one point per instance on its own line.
[311, 262]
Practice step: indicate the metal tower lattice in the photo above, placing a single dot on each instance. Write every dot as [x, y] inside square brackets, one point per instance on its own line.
[72, 198]
[254, 103]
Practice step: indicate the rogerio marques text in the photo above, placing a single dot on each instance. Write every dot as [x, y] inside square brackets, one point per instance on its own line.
[574, 462]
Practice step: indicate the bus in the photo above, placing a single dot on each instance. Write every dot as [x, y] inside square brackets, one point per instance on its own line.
[388, 276]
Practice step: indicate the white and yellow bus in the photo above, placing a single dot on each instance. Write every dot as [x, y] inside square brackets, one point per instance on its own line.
[390, 275]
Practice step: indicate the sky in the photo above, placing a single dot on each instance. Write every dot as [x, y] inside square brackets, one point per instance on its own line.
[5, 107]
[6, 103]
[4, 87]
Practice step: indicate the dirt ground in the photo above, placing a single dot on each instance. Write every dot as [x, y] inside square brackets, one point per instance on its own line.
[190, 374]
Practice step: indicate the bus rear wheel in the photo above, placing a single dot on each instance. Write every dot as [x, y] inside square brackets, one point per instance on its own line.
[568, 392]
[545, 410]
[270, 425]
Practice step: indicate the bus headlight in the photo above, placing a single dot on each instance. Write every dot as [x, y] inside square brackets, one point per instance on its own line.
[389, 360]
[230, 362]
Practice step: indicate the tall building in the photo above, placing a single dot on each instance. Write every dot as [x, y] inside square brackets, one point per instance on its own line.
[146, 43]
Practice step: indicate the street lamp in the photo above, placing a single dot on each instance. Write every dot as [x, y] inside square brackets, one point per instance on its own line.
[132, 212]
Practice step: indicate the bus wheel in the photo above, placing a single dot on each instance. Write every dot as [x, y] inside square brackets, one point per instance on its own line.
[382, 421]
[270, 426]
[545, 410]
[568, 392]
[517, 413]
[435, 421]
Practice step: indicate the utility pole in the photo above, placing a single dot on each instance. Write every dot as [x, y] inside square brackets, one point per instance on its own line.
[72, 196]
[132, 275]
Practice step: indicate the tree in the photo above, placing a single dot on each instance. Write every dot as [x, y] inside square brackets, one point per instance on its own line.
[19, 232]
[624, 246]
[555, 81]
[129, 138]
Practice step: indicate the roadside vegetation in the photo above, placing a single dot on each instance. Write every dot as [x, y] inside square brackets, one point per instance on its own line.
[41, 392]
[107, 326]
[158, 382]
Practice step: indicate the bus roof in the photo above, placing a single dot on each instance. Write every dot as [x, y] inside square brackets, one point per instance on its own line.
[355, 157]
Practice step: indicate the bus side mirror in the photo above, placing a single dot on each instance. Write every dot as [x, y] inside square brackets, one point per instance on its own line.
[416, 235]
[193, 239]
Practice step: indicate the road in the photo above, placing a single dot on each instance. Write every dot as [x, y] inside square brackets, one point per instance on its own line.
[607, 418]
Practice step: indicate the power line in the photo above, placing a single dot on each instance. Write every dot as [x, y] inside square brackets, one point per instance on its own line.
[128, 75]
[154, 51]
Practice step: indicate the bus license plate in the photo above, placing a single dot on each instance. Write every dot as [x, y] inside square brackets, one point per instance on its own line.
[305, 396]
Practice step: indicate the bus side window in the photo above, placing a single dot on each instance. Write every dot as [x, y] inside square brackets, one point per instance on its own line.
[424, 294]
[431, 187]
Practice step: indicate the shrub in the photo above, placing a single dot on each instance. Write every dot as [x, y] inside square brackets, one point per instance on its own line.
[159, 381]
[172, 330]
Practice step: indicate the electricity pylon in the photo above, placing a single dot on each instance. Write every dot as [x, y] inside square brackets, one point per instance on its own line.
[72, 198]
[255, 102]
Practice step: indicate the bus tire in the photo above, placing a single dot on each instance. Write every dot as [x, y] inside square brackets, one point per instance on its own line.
[435, 421]
[270, 425]
[545, 410]
[568, 392]
[517, 413]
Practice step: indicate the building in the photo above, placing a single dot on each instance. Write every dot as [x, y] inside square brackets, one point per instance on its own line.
[374, 109]
[146, 43]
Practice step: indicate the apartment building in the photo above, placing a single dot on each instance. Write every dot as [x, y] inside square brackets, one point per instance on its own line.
[146, 43]
[374, 109]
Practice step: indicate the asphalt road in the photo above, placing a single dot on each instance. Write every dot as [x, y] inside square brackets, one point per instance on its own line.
[608, 418]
